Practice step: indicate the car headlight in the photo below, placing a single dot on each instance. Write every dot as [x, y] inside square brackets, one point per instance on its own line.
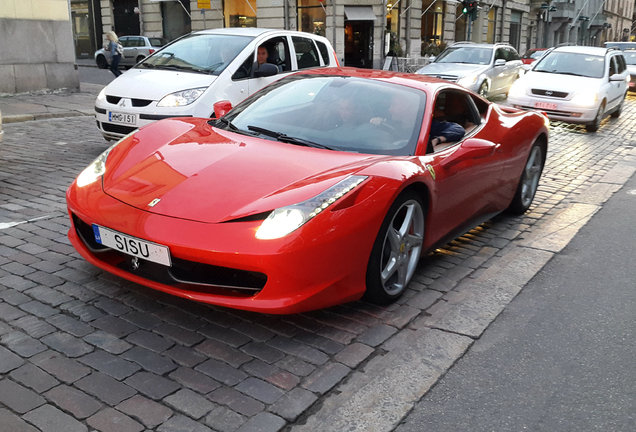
[181, 98]
[585, 98]
[467, 81]
[97, 168]
[285, 220]
[102, 95]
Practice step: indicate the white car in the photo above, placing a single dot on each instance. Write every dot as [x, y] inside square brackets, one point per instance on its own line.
[136, 48]
[188, 76]
[576, 84]
[630, 59]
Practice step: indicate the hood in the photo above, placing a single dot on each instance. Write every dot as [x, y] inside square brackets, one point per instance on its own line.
[155, 84]
[455, 69]
[557, 82]
[205, 174]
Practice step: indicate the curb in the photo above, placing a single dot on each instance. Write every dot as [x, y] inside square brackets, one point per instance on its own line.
[18, 118]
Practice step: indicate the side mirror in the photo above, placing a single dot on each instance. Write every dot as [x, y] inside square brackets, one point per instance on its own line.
[472, 148]
[221, 108]
[265, 70]
[616, 77]
[500, 62]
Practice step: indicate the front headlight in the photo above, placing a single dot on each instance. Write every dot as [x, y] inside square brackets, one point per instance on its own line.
[585, 98]
[285, 220]
[181, 98]
[467, 81]
[102, 95]
[97, 168]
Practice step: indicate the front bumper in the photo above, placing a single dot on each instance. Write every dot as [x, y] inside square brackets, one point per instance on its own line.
[321, 264]
[561, 109]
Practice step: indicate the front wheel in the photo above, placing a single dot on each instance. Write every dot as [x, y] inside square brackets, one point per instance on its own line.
[396, 251]
[483, 90]
[529, 181]
[619, 109]
[596, 123]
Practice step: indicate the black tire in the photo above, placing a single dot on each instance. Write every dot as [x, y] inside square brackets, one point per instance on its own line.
[404, 250]
[483, 90]
[139, 58]
[529, 180]
[619, 109]
[101, 62]
[593, 127]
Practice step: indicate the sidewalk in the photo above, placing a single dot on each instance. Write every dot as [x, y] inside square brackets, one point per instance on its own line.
[53, 104]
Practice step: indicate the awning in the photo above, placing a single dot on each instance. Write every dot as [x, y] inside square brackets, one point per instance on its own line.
[359, 13]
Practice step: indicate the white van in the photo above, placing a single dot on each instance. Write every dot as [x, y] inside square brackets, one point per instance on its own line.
[186, 77]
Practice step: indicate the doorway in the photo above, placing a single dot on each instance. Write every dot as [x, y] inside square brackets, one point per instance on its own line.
[126, 16]
[175, 19]
[359, 44]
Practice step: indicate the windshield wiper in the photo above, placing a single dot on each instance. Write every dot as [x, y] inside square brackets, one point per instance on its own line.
[571, 73]
[229, 124]
[287, 139]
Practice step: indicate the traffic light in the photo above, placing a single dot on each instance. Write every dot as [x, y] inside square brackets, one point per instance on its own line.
[472, 10]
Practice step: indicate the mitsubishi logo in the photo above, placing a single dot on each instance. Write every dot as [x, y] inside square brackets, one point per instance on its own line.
[122, 103]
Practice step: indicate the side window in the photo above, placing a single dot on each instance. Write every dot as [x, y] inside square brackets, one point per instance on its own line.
[512, 54]
[324, 52]
[612, 68]
[245, 70]
[125, 42]
[306, 52]
[140, 42]
[278, 53]
[621, 63]
[500, 54]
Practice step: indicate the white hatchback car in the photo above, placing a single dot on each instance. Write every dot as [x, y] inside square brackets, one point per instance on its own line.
[576, 84]
[188, 76]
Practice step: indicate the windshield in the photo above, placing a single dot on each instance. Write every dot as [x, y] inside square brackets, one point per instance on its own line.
[586, 65]
[202, 53]
[156, 42]
[630, 57]
[468, 54]
[341, 113]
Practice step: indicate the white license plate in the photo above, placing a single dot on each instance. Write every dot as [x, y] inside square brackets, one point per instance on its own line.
[116, 117]
[545, 105]
[132, 245]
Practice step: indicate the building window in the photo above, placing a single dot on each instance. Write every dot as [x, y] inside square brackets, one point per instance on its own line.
[515, 29]
[492, 25]
[311, 17]
[239, 13]
[432, 22]
[393, 17]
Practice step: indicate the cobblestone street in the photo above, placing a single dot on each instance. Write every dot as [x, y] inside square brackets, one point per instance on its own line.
[81, 349]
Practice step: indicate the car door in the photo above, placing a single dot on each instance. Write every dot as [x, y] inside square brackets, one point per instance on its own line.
[513, 65]
[279, 54]
[616, 89]
[130, 49]
[467, 176]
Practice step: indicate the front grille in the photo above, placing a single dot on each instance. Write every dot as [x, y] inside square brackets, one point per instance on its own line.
[183, 274]
[115, 128]
[451, 78]
[549, 93]
[140, 102]
[548, 112]
[113, 99]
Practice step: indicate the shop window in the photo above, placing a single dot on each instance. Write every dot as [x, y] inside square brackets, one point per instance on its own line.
[239, 13]
[311, 17]
[432, 22]
[492, 25]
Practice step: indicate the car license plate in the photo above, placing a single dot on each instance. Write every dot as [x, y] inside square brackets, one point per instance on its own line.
[116, 117]
[545, 105]
[132, 245]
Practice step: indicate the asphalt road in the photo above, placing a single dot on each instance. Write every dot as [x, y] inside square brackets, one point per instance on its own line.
[561, 355]
[93, 75]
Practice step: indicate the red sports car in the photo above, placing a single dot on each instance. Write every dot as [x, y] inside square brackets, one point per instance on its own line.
[320, 189]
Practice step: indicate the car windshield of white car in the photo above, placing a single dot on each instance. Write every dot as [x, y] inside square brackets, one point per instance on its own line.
[565, 63]
[335, 112]
[470, 55]
[203, 53]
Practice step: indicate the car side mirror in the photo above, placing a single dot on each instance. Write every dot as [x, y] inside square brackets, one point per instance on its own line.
[221, 108]
[500, 62]
[472, 148]
[265, 70]
[617, 77]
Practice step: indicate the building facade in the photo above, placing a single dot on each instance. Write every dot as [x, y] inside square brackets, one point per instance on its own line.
[37, 46]
[363, 32]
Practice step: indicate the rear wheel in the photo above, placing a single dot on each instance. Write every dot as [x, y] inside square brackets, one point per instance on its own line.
[596, 123]
[101, 62]
[396, 251]
[139, 58]
[529, 181]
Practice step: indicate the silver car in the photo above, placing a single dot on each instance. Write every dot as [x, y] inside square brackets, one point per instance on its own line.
[136, 48]
[488, 69]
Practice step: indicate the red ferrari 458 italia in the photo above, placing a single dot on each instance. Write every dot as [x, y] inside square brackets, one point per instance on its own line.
[320, 189]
